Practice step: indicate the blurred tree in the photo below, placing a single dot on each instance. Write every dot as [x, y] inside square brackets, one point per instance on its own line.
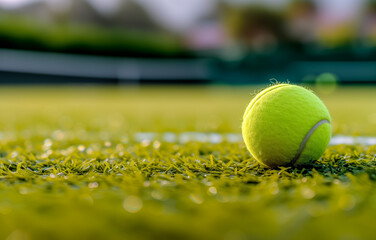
[368, 24]
[78, 27]
[80, 12]
[301, 21]
[131, 15]
[256, 27]
[38, 11]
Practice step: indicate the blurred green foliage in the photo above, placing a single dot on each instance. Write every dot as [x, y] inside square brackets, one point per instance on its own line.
[23, 33]
[70, 168]
[298, 33]
[255, 26]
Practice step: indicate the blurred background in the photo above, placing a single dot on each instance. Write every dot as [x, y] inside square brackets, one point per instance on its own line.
[187, 41]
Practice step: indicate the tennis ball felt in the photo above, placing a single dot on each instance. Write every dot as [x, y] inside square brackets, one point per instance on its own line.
[286, 125]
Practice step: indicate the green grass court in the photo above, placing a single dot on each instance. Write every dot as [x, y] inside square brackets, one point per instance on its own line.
[70, 168]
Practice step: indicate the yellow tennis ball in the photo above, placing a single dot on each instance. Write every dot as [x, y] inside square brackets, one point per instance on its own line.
[286, 125]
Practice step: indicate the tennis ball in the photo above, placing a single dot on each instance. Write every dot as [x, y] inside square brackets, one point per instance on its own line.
[286, 125]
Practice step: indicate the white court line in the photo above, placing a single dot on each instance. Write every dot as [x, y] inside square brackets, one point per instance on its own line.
[235, 137]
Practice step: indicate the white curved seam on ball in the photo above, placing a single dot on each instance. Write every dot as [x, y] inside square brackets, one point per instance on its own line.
[271, 90]
[306, 138]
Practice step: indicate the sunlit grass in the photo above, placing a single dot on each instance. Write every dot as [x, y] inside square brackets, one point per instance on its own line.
[70, 169]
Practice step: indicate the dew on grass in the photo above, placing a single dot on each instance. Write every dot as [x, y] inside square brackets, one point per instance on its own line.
[158, 195]
[124, 140]
[24, 190]
[89, 151]
[196, 198]
[132, 204]
[81, 148]
[147, 184]
[212, 190]
[145, 160]
[273, 188]
[58, 135]
[93, 185]
[107, 143]
[308, 193]
[167, 183]
[47, 154]
[14, 154]
[209, 184]
[145, 142]
[156, 144]
[47, 144]
[119, 147]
